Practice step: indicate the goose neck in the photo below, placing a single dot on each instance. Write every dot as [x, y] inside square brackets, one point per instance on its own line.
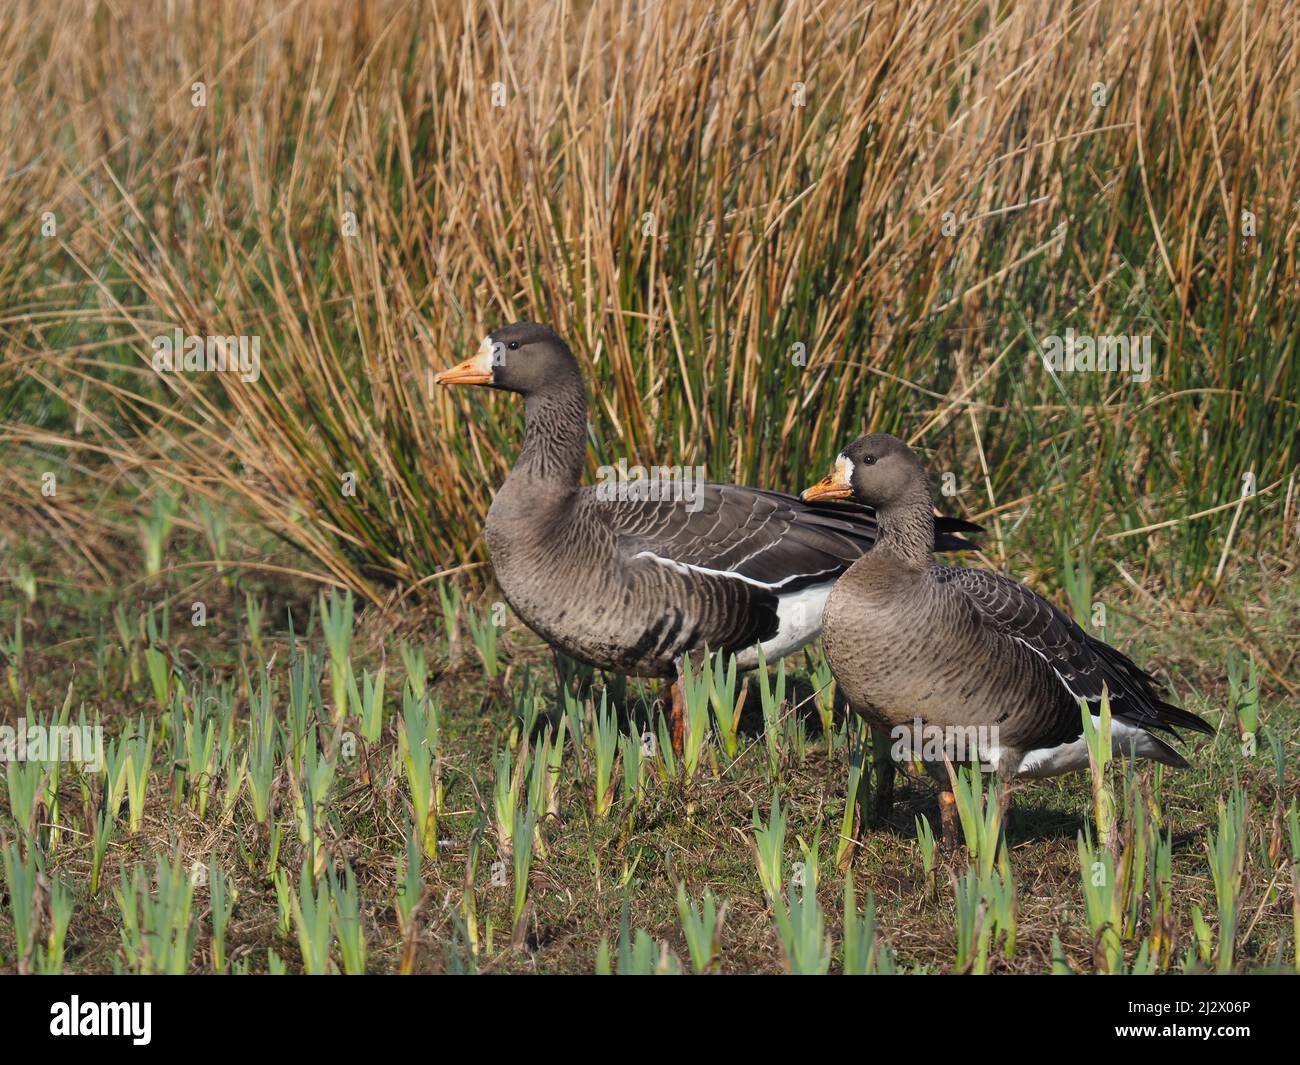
[555, 438]
[906, 531]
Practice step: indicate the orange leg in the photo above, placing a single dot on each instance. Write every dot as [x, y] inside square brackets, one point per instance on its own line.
[677, 715]
[948, 816]
[883, 765]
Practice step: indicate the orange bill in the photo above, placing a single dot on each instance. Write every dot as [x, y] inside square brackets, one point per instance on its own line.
[473, 371]
[835, 485]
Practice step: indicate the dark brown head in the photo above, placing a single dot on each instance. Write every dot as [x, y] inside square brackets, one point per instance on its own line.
[524, 357]
[879, 470]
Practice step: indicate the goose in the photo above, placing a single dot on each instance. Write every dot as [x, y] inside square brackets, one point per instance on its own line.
[633, 585]
[949, 658]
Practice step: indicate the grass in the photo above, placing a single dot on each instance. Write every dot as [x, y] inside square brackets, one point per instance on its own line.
[456, 841]
[765, 229]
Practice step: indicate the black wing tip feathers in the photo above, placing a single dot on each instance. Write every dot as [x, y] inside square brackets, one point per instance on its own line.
[1173, 717]
[1124, 676]
[1169, 756]
[946, 530]
[961, 525]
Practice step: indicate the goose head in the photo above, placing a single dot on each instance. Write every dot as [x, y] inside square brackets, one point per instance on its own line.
[524, 357]
[878, 469]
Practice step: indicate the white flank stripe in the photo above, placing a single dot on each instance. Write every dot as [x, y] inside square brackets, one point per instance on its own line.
[1052, 665]
[689, 567]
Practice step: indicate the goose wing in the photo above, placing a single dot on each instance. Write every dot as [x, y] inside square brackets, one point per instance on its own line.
[747, 556]
[1082, 664]
[770, 540]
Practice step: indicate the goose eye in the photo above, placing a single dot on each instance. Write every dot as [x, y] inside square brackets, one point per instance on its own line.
[869, 460]
[513, 345]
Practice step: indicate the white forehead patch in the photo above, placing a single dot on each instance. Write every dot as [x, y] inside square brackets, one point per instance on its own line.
[490, 354]
[844, 469]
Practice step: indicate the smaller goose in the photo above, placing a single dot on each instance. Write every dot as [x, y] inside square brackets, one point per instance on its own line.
[634, 585]
[973, 658]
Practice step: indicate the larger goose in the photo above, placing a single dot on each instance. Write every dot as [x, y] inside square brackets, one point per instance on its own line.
[969, 655]
[632, 585]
